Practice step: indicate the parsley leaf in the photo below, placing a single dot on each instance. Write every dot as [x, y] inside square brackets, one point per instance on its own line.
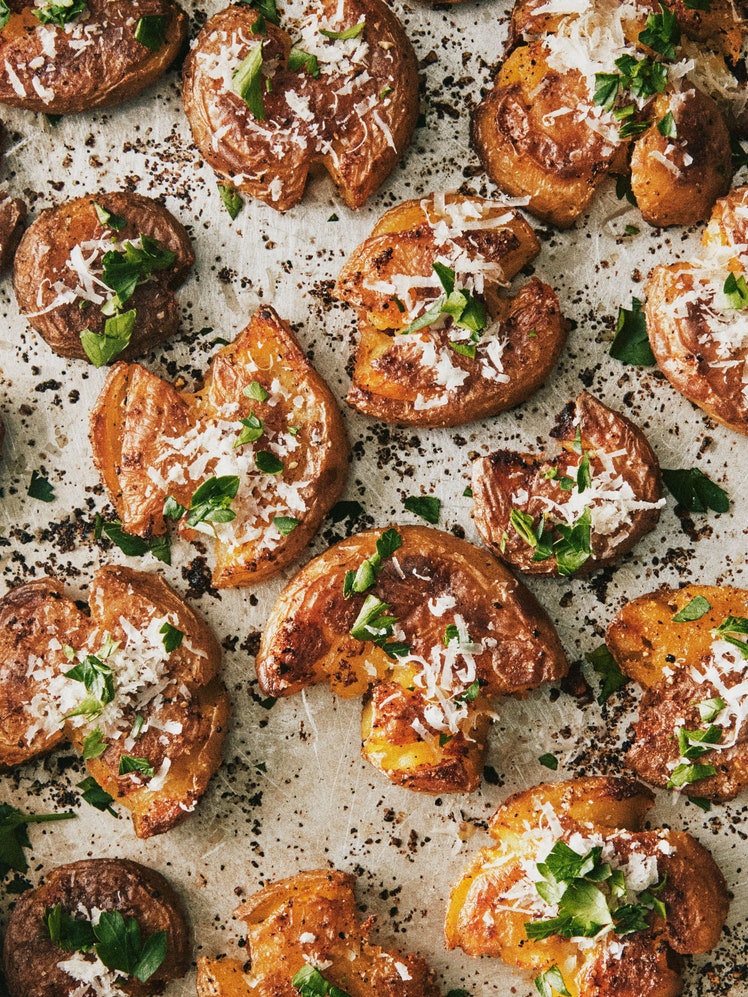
[134, 546]
[549, 981]
[311, 983]
[68, 933]
[247, 82]
[14, 836]
[425, 506]
[694, 610]
[98, 680]
[606, 666]
[285, 524]
[662, 33]
[465, 310]
[470, 694]
[151, 31]
[101, 347]
[255, 391]
[666, 126]
[59, 13]
[362, 579]
[40, 488]
[231, 198]
[631, 343]
[729, 628]
[97, 797]
[252, 431]
[210, 502]
[94, 745]
[124, 269]
[118, 945]
[710, 709]
[688, 772]
[299, 59]
[171, 637]
[108, 219]
[736, 291]
[373, 623]
[268, 463]
[353, 32]
[129, 763]
[693, 490]
[4, 14]
[549, 761]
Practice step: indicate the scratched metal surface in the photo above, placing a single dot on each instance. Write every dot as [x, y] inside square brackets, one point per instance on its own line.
[313, 801]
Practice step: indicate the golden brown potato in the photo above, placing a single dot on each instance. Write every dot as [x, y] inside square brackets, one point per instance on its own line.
[100, 56]
[61, 262]
[575, 512]
[440, 632]
[492, 907]
[131, 662]
[349, 106]
[581, 86]
[696, 329]
[693, 675]
[36, 966]
[263, 419]
[12, 217]
[311, 920]
[453, 369]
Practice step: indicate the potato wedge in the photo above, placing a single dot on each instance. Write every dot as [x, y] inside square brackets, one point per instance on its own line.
[264, 418]
[461, 632]
[61, 262]
[36, 965]
[346, 105]
[581, 86]
[419, 365]
[312, 920]
[597, 955]
[575, 512]
[692, 669]
[143, 653]
[696, 329]
[99, 56]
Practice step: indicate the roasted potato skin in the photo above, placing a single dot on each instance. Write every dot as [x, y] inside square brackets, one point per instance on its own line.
[320, 903]
[666, 657]
[306, 641]
[38, 619]
[481, 923]
[13, 213]
[271, 160]
[134, 890]
[392, 379]
[680, 299]
[137, 410]
[113, 69]
[502, 475]
[42, 259]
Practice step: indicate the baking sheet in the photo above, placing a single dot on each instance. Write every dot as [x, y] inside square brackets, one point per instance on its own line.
[293, 792]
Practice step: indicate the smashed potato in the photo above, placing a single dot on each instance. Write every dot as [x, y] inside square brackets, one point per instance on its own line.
[686, 648]
[12, 217]
[254, 460]
[51, 942]
[584, 91]
[96, 276]
[577, 511]
[440, 346]
[308, 925]
[578, 894]
[134, 686]
[265, 110]
[430, 629]
[696, 321]
[65, 58]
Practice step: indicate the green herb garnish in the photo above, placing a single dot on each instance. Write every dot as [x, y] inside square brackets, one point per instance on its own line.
[97, 797]
[252, 431]
[373, 624]
[693, 490]
[311, 983]
[364, 577]
[666, 126]
[101, 347]
[98, 680]
[285, 524]
[94, 745]
[549, 761]
[40, 488]
[123, 270]
[694, 610]
[151, 31]
[134, 546]
[231, 198]
[631, 343]
[465, 310]
[662, 33]
[425, 506]
[4, 14]
[247, 82]
[129, 763]
[211, 501]
[606, 666]
[255, 391]
[108, 219]
[14, 836]
[736, 291]
[340, 36]
[549, 981]
[299, 59]
[267, 462]
[59, 13]
[171, 637]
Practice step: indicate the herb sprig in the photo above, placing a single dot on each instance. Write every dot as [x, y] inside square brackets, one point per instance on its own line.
[14, 837]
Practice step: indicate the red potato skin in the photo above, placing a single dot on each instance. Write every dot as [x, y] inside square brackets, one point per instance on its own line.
[272, 159]
[109, 71]
[134, 890]
[42, 259]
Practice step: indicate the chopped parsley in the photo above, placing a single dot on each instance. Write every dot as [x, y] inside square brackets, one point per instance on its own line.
[631, 343]
[570, 544]
[171, 637]
[709, 709]
[311, 983]
[4, 14]
[129, 763]
[589, 895]
[268, 11]
[373, 624]
[94, 745]
[108, 219]
[606, 666]
[151, 31]
[693, 744]
[344, 509]
[549, 761]
[124, 270]
[14, 838]
[95, 796]
[728, 629]
[694, 610]
[736, 291]
[173, 509]
[426, 506]
[666, 126]
[551, 981]
[59, 13]
[299, 59]
[134, 546]
[662, 33]
[209, 504]
[115, 939]
[101, 347]
[363, 578]
[40, 488]
[470, 694]
[694, 491]
[466, 311]
[340, 36]
[267, 462]
[285, 524]
[231, 198]
[247, 82]
[255, 391]
[97, 677]
[252, 431]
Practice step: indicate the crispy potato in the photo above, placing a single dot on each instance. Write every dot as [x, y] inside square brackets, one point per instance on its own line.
[34, 963]
[563, 114]
[696, 335]
[93, 61]
[59, 265]
[496, 897]
[151, 441]
[682, 665]
[351, 112]
[606, 466]
[177, 690]
[442, 681]
[429, 377]
[312, 919]
[12, 217]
